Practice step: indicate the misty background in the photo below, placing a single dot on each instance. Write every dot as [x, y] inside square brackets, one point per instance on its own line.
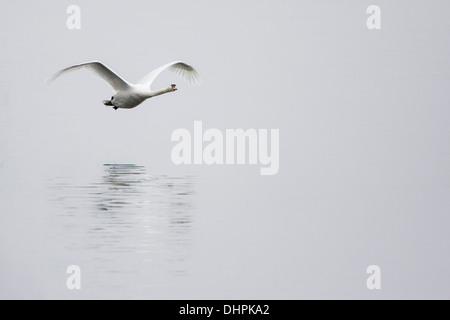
[364, 151]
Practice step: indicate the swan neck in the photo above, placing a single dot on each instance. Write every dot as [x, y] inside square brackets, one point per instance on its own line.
[161, 91]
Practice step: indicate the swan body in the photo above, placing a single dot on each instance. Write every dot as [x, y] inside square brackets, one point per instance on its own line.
[128, 95]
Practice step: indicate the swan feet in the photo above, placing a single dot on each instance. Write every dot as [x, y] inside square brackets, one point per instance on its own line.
[109, 103]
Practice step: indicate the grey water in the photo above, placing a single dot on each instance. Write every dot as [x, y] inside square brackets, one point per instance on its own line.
[364, 152]
[129, 223]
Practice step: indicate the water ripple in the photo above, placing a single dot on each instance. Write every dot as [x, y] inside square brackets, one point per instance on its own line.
[127, 218]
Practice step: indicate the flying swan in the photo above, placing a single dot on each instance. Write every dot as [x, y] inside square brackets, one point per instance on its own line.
[129, 95]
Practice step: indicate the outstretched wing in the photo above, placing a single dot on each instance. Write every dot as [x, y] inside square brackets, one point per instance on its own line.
[185, 71]
[99, 69]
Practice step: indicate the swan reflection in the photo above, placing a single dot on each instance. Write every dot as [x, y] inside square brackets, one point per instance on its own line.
[128, 221]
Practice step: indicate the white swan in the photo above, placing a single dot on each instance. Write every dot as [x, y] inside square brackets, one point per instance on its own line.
[130, 95]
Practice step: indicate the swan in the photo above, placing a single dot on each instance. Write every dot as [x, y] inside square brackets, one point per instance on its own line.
[129, 95]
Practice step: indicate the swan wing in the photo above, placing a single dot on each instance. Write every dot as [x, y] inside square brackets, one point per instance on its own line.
[99, 69]
[185, 71]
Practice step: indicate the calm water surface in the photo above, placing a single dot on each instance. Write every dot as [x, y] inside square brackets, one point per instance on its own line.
[129, 228]
[364, 152]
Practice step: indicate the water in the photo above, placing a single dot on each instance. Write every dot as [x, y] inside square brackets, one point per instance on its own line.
[128, 223]
[364, 153]
[128, 230]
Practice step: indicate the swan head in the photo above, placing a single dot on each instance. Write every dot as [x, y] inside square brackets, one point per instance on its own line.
[174, 87]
